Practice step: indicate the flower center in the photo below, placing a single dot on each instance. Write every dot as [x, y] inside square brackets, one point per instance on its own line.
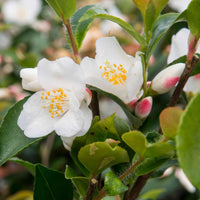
[115, 74]
[55, 101]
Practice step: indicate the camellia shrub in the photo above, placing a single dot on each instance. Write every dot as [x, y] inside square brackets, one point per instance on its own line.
[111, 157]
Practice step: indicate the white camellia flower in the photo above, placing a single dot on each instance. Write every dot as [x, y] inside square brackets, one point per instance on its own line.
[62, 104]
[21, 12]
[179, 5]
[114, 71]
[179, 47]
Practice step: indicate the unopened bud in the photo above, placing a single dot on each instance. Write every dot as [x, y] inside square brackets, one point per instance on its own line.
[167, 78]
[30, 79]
[143, 108]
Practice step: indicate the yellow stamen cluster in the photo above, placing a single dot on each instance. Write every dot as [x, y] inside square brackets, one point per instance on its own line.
[55, 102]
[113, 73]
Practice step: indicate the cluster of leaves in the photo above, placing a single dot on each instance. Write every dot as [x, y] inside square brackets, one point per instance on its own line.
[111, 147]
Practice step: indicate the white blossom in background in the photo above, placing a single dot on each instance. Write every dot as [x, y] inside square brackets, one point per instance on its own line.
[5, 39]
[167, 78]
[107, 26]
[114, 71]
[107, 107]
[179, 47]
[180, 175]
[179, 5]
[21, 12]
[61, 104]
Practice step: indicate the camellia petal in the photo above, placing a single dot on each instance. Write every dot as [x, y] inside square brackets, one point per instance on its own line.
[193, 84]
[113, 70]
[62, 73]
[30, 79]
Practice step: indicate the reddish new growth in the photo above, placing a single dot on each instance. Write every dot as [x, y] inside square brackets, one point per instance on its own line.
[171, 82]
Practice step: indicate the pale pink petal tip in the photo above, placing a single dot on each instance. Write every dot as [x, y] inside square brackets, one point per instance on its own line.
[131, 105]
[171, 82]
[89, 92]
[143, 108]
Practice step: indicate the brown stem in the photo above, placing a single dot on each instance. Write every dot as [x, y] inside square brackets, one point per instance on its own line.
[46, 149]
[95, 104]
[190, 65]
[72, 40]
[92, 185]
[138, 186]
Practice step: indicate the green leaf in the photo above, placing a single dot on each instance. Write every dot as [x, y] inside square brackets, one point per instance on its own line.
[51, 185]
[79, 29]
[113, 185]
[29, 166]
[99, 155]
[152, 194]
[150, 10]
[160, 27]
[121, 126]
[149, 165]
[135, 122]
[12, 138]
[63, 8]
[102, 130]
[70, 173]
[188, 140]
[98, 12]
[81, 184]
[193, 17]
[169, 121]
[136, 140]
[159, 149]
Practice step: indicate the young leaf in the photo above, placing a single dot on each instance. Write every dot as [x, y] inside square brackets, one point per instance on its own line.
[63, 8]
[159, 149]
[51, 185]
[98, 12]
[169, 121]
[12, 138]
[150, 10]
[136, 140]
[193, 17]
[149, 165]
[99, 155]
[188, 140]
[113, 186]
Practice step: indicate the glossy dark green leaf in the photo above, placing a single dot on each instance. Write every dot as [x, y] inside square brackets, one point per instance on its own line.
[193, 17]
[63, 8]
[51, 185]
[79, 29]
[152, 194]
[149, 165]
[100, 155]
[188, 140]
[160, 27]
[12, 138]
[98, 12]
[29, 166]
[135, 122]
[136, 140]
[113, 185]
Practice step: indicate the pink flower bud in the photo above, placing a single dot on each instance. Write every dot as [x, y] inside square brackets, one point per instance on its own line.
[131, 105]
[167, 78]
[143, 108]
[88, 95]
